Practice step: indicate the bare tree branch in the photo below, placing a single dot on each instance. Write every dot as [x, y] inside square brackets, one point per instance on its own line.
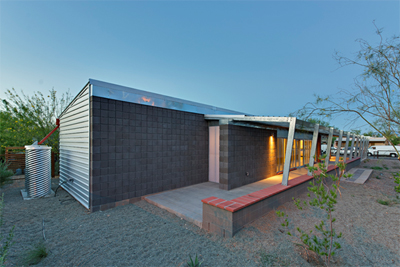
[375, 97]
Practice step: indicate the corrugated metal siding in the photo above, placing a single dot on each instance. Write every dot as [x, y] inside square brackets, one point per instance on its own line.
[74, 147]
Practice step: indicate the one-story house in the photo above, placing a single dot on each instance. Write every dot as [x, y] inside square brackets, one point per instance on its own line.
[373, 141]
[118, 144]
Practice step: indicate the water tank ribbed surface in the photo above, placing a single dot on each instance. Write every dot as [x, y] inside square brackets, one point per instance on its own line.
[37, 170]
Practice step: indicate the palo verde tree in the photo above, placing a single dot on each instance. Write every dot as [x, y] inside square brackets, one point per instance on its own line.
[375, 96]
[25, 119]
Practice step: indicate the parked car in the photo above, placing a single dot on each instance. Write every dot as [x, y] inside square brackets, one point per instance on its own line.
[348, 150]
[383, 151]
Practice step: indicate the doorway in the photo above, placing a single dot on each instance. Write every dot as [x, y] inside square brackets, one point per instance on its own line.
[213, 161]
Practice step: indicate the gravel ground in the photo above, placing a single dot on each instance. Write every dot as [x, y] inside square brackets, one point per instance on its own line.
[143, 235]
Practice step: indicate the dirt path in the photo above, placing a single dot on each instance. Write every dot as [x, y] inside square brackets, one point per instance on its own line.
[144, 235]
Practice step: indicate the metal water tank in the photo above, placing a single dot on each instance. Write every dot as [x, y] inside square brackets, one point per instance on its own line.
[37, 171]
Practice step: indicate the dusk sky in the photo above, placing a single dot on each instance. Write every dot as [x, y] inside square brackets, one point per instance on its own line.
[259, 57]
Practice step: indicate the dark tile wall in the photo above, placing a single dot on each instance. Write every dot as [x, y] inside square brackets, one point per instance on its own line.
[353, 164]
[138, 150]
[247, 155]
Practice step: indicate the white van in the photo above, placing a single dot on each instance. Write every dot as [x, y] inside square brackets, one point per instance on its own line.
[383, 151]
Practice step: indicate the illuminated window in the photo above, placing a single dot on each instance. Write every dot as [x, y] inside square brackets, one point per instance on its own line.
[301, 151]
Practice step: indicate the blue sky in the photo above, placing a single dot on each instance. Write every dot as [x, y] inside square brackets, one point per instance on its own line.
[259, 57]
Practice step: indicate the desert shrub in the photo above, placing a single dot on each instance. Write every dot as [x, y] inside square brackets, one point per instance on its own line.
[194, 263]
[5, 241]
[35, 254]
[324, 241]
[5, 173]
[377, 168]
[383, 202]
[396, 177]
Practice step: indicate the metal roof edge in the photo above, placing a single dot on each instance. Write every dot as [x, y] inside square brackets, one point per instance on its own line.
[162, 100]
[73, 100]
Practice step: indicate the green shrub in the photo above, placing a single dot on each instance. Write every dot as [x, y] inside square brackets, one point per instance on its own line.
[5, 174]
[383, 202]
[396, 177]
[6, 242]
[35, 255]
[325, 240]
[194, 263]
[377, 168]
[25, 119]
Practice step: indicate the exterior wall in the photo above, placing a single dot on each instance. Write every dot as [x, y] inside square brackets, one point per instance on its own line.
[352, 164]
[74, 147]
[226, 224]
[139, 150]
[283, 133]
[377, 143]
[247, 155]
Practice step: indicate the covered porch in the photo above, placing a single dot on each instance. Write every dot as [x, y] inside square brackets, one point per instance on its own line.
[290, 143]
[250, 175]
[186, 202]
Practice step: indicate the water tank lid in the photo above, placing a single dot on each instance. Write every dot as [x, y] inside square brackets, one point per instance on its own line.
[37, 147]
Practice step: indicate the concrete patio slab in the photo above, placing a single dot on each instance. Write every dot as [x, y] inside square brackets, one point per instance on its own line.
[186, 202]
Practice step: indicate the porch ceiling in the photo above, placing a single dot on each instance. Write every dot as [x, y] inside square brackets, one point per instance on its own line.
[282, 122]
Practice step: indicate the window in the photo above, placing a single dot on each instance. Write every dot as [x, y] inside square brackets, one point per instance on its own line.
[301, 151]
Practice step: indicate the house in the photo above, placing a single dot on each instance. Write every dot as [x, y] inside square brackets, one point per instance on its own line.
[373, 141]
[118, 144]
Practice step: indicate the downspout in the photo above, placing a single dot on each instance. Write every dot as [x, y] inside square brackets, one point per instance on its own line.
[55, 129]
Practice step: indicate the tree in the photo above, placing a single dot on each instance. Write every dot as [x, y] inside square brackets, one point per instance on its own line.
[394, 140]
[319, 121]
[371, 133]
[25, 119]
[375, 97]
[324, 240]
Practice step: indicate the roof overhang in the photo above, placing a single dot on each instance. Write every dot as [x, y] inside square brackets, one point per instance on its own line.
[277, 122]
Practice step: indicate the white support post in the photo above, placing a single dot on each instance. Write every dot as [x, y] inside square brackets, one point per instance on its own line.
[289, 146]
[357, 147]
[346, 147]
[353, 137]
[364, 141]
[313, 146]
[366, 149]
[361, 146]
[328, 148]
[339, 146]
